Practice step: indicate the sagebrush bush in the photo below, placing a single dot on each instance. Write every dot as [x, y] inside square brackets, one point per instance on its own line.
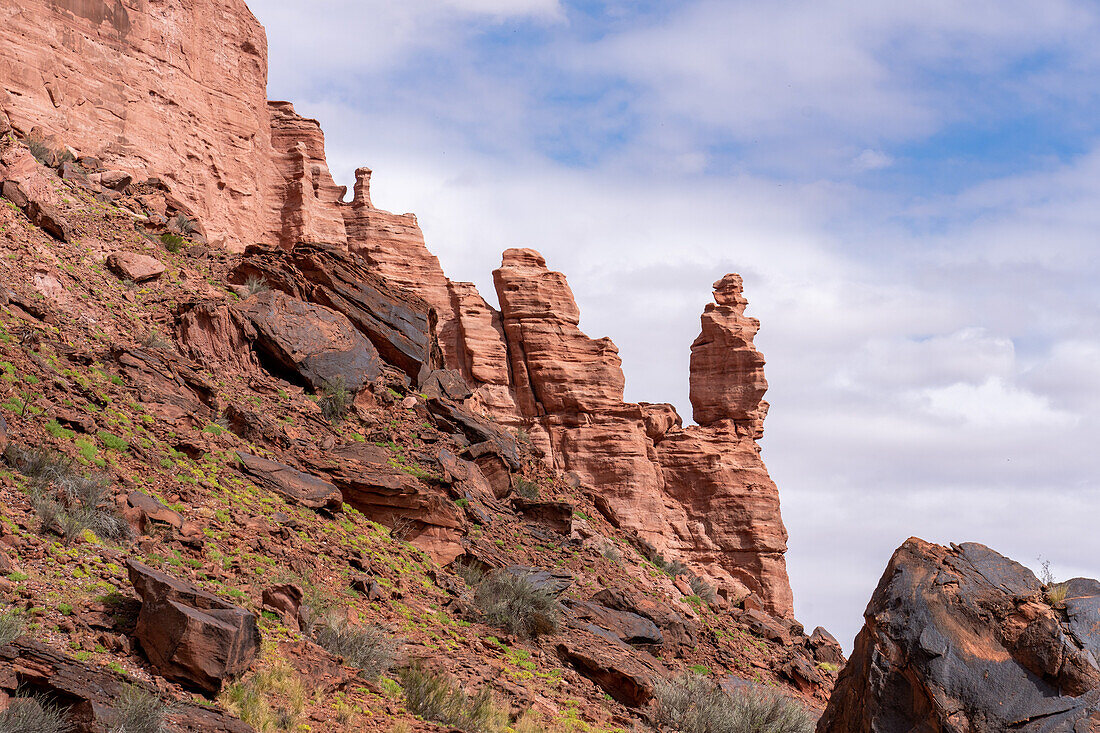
[184, 223]
[693, 704]
[172, 242]
[255, 284]
[67, 501]
[11, 627]
[702, 588]
[526, 488]
[139, 711]
[368, 648]
[335, 400]
[34, 714]
[433, 696]
[513, 603]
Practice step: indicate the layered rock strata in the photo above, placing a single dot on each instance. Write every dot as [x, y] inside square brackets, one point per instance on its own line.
[700, 494]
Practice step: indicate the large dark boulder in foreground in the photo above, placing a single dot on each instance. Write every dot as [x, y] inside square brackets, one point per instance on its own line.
[192, 637]
[963, 639]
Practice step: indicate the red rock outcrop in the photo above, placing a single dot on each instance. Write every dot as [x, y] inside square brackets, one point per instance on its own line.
[180, 93]
[700, 494]
[307, 199]
[175, 90]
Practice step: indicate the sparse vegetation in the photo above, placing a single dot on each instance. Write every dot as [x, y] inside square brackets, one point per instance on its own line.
[67, 501]
[41, 151]
[1054, 591]
[368, 648]
[172, 242]
[139, 711]
[649, 552]
[11, 627]
[702, 588]
[513, 603]
[526, 488]
[335, 400]
[34, 714]
[184, 224]
[693, 704]
[273, 698]
[153, 340]
[255, 285]
[433, 696]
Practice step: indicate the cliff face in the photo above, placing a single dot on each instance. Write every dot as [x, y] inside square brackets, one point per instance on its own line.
[176, 90]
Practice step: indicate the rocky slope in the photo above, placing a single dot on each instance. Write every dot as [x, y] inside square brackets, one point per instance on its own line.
[294, 410]
[136, 96]
[961, 638]
[206, 453]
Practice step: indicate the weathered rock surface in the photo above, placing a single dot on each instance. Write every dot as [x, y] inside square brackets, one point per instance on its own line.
[135, 267]
[297, 486]
[395, 321]
[963, 639]
[306, 201]
[176, 90]
[700, 494]
[91, 693]
[189, 635]
[625, 674]
[308, 342]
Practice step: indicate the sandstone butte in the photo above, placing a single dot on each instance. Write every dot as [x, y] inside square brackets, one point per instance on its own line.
[179, 94]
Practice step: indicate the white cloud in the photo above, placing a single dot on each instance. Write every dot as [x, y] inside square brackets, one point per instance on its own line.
[872, 160]
[993, 403]
[511, 8]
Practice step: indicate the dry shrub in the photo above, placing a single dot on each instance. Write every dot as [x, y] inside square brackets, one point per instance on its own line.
[368, 648]
[513, 603]
[693, 704]
[436, 697]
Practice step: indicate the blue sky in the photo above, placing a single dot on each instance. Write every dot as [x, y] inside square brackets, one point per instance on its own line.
[911, 191]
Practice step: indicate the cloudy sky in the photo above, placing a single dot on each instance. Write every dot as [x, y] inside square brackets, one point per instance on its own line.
[911, 191]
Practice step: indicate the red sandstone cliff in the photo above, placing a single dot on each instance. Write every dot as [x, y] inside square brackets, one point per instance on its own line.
[180, 94]
[176, 90]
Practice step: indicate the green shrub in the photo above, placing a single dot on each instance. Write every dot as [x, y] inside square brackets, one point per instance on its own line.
[368, 648]
[694, 704]
[34, 714]
[526, 488]
[113, 442]
[172, 242]
[702, 588]
[335, 400]
[513, 603]
[11, 627]
[435, 697]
